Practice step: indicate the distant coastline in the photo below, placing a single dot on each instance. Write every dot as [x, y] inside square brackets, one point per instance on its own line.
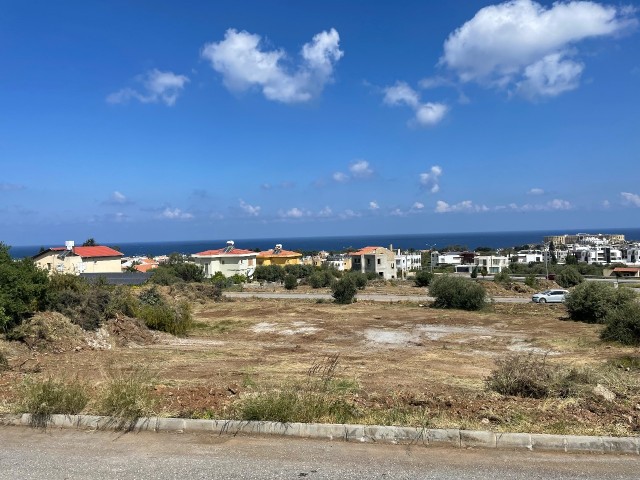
[404, 241]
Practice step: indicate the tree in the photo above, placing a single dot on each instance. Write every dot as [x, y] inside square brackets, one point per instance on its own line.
[290, 282]
[344, 290]
[23, 289]
[569, 277]
[89, 242]
[474, 272]
[457, 292]
[423, 278]
[552, 251]
[591, 302]
[484, 272]
[571, 259]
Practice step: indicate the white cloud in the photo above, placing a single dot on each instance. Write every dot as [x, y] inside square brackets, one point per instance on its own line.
[361, 169]
[175, 214]
[325, 212]
[251, 210]
[430, 180]
[525, 44]
[426, 114]
[396, 212]
[293, 213]
[464, 206]
[157, 86]
[417, 206]
[555, 204]
[630, 198]
[373, 205]
[244, 64]
[606, 204]
[118, 198]
[340, 177]
[349, 214]
[558, 204]
[536, 191]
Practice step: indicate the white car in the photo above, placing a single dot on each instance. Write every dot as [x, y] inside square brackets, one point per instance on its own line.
[550, 296]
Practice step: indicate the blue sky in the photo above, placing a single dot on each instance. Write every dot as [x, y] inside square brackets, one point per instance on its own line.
[158, 120]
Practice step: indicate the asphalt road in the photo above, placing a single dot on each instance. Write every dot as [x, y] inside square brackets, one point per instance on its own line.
[69, 454]
[372, 297]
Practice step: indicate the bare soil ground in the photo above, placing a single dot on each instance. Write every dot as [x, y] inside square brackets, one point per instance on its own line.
[397, 354]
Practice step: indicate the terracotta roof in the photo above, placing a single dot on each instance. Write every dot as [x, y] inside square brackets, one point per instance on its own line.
[280, 253]
[626, 269]
[365, 251]
[97, 251]
[221, 251]
[145, 267]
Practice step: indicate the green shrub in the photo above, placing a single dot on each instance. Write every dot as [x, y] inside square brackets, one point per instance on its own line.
[532, 281]
[359, 278]
[590, 302]
[43, 398]
[502, 277]
[344, 290]
[127, 397]
[321, 278]
[474, 272]
[623, 324]
[269, 273]
[423, 278]
[163, 275]
[150, 296]
[175, 320]
[457, 292]
[290, 282]
[569, 277]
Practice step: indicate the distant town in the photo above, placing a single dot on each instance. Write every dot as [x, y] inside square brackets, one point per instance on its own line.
[611, 251]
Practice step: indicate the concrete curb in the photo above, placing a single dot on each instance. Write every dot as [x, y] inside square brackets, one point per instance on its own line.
[348, 433]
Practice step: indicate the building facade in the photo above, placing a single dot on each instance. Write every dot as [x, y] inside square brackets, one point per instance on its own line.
[378, 260]
[229, 261]
[76, 260]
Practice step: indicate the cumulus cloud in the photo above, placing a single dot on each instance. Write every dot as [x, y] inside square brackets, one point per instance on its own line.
[326, 212]
[536, 191]
[555, 204]
[373, 205]
[175, 214]
[426, 114]
[430, 180]
[417, 206]
[243, 63]
[157, 86]
[464, 206]
[360, 169]
[118, 198]
[251, 210]
[293, 213]
[523, 45]
[630, 199]
[340, 177]
[349, 214]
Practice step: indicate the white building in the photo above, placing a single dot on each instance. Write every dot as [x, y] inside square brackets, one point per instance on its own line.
[341, 262]
[446, 258]
[632, 256]
[407, 262]
[229, 261]
[597, 254]
[77, 260]
[493, 263]
[528, 256]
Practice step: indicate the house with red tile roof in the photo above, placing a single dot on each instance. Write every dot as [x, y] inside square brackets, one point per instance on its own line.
[279, 256]
[77, 260]
[229, 260]
[378, 260]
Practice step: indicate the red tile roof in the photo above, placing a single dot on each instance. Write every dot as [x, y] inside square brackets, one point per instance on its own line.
[145, 267]
[626, 269]
[221, 251]
[97, 251]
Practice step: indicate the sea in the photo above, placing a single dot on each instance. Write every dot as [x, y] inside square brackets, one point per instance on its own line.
[417, 241]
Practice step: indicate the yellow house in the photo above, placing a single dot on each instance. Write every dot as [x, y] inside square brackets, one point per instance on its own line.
[278, 256]
[77, 260]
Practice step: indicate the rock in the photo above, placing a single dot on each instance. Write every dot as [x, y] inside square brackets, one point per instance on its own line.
[604, 392]
[485, 421]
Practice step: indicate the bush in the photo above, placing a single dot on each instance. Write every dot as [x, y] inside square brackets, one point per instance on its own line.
[569, 277]
[151, 296]
[43, 398]
[163, 275]
[176, 320]
[290, 282]
[344, 290]
[321, 278]
[502, 277]
[623, 324]
[269, 273]
[359, 278]
[522, 376]
[590, 302]
[474, 272]
[127, 397]
[457, 292]
[532, 281]
[423, 278]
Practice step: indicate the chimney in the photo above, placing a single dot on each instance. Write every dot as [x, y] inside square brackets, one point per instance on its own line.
[69, 244]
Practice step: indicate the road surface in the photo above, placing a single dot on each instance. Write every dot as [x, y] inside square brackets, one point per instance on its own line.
[371, 297]
[70, 454]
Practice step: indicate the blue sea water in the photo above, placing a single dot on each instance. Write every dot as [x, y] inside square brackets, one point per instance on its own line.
[403, 241]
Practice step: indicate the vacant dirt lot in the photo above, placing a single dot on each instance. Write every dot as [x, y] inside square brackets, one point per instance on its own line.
[397, 354]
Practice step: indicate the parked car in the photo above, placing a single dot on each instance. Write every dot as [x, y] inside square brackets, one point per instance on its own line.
[550, 296]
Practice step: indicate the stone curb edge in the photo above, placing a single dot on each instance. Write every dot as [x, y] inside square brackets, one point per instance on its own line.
[349, 433]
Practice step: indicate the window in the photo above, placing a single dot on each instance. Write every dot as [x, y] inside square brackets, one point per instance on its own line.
[379, 262]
